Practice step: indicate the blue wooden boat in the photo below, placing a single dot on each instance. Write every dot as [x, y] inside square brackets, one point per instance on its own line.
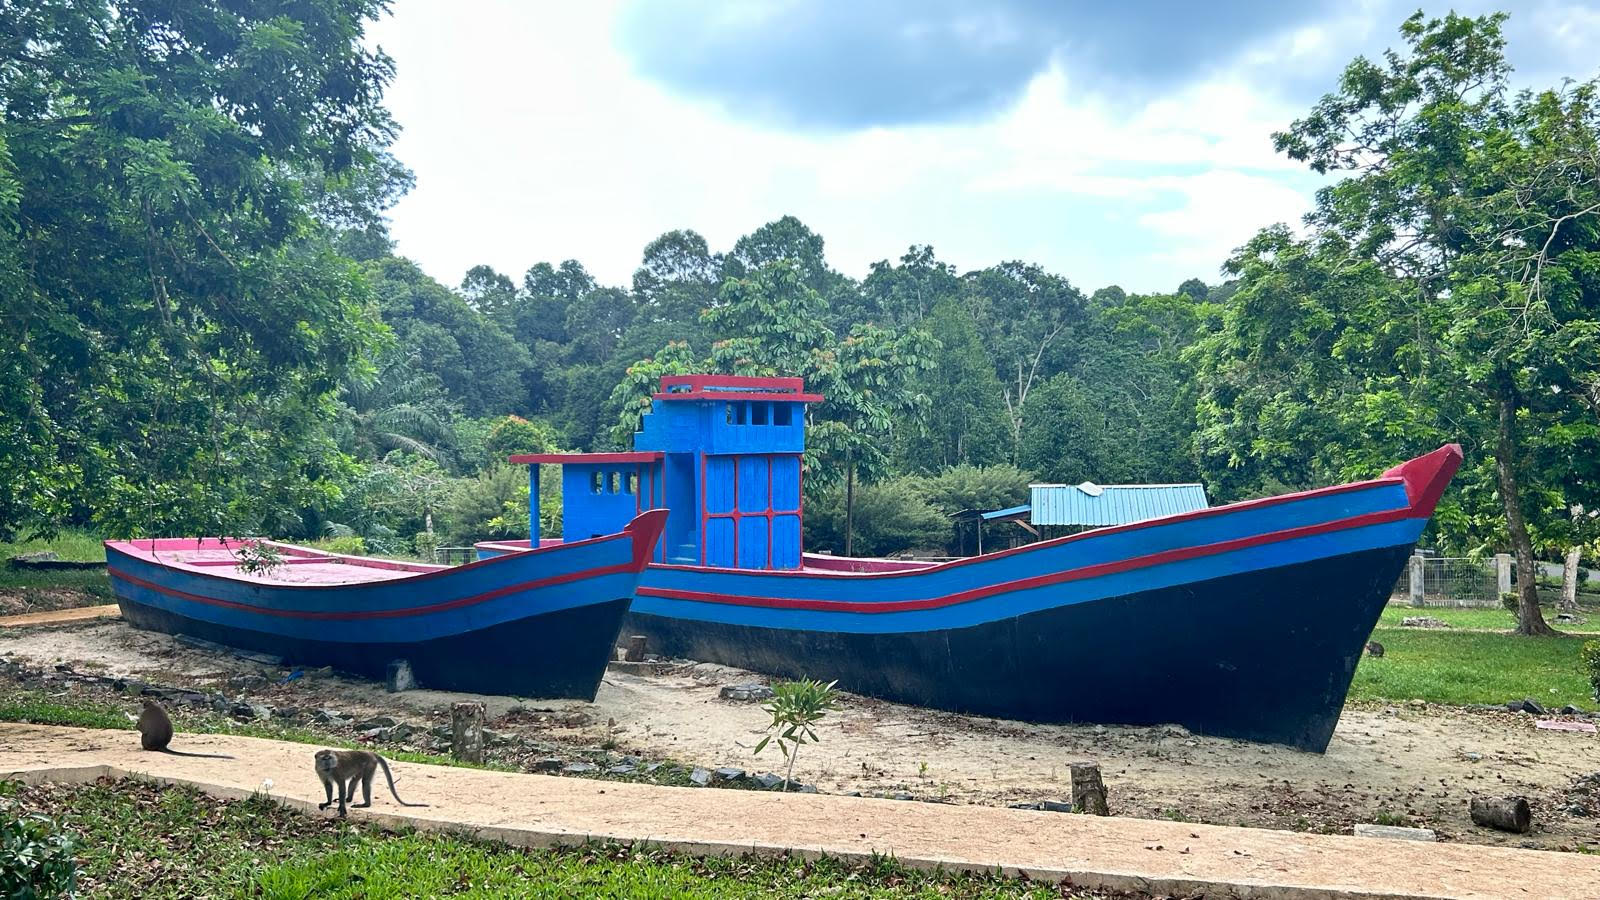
[1245, 620]
[538, 623]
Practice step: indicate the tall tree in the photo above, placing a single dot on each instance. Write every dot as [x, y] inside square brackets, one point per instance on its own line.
[174, 322]
[965, 420]
[1483, 205]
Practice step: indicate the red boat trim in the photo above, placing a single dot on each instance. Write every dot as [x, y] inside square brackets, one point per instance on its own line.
[1022, 584]
[639, 456]
[374, 613]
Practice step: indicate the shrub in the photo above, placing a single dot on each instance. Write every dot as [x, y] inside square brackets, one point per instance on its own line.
[35, 858]
[346, 544]
[1591, 665]
[795, 707]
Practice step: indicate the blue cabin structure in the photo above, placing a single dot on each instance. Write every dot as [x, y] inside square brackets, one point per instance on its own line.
[722, 453]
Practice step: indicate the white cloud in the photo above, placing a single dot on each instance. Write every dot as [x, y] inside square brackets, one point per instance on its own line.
[532, 140]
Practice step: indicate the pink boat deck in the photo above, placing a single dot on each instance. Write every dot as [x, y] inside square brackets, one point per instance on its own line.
[810, 562]
[303, 566]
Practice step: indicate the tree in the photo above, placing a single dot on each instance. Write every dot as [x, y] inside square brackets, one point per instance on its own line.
[174, 321]
[1027, 318]
[479, 363]
[1486, 203]
[395, 408]
[965, 420]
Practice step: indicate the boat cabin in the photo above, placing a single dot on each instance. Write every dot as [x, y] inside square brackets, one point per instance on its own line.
[722, 453]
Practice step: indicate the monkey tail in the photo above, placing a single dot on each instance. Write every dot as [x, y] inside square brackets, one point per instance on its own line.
[390, 775]
[196, 755]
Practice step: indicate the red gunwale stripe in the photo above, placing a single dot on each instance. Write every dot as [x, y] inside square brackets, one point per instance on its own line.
[374, 613]
[1022, 584]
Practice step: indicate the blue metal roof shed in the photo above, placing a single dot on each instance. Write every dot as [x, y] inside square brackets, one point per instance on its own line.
[1094, 505]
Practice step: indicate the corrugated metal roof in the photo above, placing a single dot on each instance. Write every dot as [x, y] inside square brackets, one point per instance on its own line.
[1015, 511]
[1112, 504]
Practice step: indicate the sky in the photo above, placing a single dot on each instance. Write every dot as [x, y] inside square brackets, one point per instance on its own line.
[1119, 143]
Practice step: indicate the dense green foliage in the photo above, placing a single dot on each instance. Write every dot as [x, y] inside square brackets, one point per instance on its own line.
[35, 857]
[205, 328]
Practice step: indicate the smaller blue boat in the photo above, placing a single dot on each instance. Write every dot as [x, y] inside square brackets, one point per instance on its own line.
[540, 623]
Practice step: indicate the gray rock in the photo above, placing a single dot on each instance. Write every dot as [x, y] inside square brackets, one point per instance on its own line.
[1055, 806]
[1527, 705]
[768, 781]
[493, 737]
[221, 703]
[902, 796]
[653, 766]
[375, 722]
[397, 732]
[806, 789]
[443, 732]
[728, 773]
[1423, 622]
[1394, 832]
[326, 715]
[700, 776]
[621, 769]
[579, 768]
[750, 691]
[1570, 710]
[244, 711]
[287, 712]
[1578, 810]
[548, 764]
[631, 760]
[398, 677]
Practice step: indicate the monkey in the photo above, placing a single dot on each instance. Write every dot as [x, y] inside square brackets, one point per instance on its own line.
[344, 768]
[155, 732]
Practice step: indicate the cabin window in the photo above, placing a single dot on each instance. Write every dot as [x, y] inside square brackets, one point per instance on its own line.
[633, 483]
[758, 413]
[728, 408]
[781, 413]
[616, 482]
[597, 482]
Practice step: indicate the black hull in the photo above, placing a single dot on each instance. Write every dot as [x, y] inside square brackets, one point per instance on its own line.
[559, 654]
[1263, 656]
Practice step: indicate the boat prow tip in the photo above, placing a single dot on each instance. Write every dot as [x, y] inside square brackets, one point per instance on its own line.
[645, 530]
[1427, 476]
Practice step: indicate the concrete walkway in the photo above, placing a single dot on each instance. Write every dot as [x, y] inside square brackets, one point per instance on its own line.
[61, 616]
[1115, 853]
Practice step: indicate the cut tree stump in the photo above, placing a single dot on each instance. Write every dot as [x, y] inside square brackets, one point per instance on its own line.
[1506, 814]
[1088, 791]
[466, 731]
[636, 644]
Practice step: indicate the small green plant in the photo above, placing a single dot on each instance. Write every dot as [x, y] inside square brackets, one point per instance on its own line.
[36, 858]
[1385, 817]
[795, 707]
[1512, 602]
[1590, 654]
[922, 769]
[257, 557]
[426, 545]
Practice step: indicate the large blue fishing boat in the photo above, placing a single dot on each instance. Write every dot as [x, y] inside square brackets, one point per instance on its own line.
[537, 623]
[1245, 620]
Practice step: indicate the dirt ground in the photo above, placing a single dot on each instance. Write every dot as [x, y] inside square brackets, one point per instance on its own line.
[1416, 762]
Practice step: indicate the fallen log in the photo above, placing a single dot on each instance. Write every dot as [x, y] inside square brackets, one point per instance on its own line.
[1506, 814]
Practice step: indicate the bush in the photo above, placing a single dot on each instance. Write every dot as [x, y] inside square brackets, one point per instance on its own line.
[346, 545]
[1591, 665]
[35, 858]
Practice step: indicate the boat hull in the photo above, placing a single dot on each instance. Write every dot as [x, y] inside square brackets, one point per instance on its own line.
[540, 623]
[1243, 621]
[1264, 656]
[561, 654]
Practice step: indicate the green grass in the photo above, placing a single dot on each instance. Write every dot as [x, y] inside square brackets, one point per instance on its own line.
[1465, 667]
[33, 590]
[144, 842]
[1494, 619]
[76, 545]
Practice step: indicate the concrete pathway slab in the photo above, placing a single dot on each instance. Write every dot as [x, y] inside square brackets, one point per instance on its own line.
[1115, 853]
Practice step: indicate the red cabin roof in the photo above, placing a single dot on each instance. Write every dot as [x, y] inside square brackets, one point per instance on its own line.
[735, 387]
[640, 456]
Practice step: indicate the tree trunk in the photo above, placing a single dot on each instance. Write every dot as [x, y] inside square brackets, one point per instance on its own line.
[1530, 620]
[849, 503]
[1569, 582]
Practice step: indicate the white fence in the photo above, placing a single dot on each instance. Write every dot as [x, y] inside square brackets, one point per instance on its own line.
[1453, 581]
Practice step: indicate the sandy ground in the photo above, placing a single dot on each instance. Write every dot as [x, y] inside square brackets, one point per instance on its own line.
[1151, 857]
[1422, 762]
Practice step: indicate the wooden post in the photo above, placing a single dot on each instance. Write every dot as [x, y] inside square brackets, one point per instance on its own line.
[466, 731]
[1088, 791]
[636, 644]
[1416, 579]
[1502, 575]
[533, 505]
[1507, 814]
